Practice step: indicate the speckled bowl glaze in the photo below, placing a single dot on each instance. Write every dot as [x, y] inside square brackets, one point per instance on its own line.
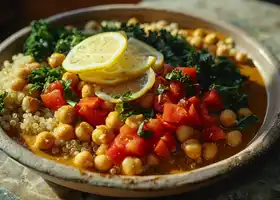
[136, 186]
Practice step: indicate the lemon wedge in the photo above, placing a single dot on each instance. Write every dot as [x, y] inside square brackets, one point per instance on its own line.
[127, 91]
[99, 51]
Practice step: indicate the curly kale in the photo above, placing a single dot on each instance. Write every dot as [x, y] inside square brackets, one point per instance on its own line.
[41, 41]
[68, 39]
[44, 40]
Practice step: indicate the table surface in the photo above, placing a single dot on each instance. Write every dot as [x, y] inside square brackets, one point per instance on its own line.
[259, 181]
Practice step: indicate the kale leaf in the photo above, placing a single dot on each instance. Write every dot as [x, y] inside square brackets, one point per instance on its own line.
[44, 40]
[127, 109]
[144, 133]
[67, 39]
[244, 123]
[42, 77]
[40, 43]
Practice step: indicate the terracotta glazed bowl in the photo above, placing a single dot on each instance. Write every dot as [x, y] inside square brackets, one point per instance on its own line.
[116, 185]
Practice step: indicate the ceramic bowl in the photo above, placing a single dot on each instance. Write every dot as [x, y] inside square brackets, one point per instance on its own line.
[132, 186]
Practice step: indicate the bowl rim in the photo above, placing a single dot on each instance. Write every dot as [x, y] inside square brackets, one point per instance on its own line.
[151, 182]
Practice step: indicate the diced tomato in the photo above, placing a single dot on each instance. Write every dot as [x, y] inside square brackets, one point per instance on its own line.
[174, 113]
[133, 144]
[213, 100]
[156, 126]
[57, 85]
[160, 100]
[161, 149]
[170, 141]
[92, 102]
[53, 99]
[117, 155]
[159, 80]
[177, 90]
[194, 117]
[195, 101]
[169, 126]
[206, 119]
[91, 110]
[190, 71]
[213, 133]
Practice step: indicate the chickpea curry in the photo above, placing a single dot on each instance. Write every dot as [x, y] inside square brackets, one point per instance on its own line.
[130, 98]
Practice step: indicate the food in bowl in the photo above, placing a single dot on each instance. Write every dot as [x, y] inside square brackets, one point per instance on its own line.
[129, 98]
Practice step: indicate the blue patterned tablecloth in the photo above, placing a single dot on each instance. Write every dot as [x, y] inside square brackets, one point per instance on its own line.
[259, 181]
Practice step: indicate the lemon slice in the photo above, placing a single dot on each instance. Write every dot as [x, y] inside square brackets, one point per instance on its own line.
[127, 91]
[143, 49]
[96, 52]
[106, 80]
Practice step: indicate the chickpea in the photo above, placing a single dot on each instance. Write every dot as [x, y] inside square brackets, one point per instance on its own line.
[222, 51]
[173, 25]
[70, 76]
[210, 38]
[147, 100]
[102, 163]
[232, 52]
[102, 149]
[198, 32]
[26, 91]
[64, 132]
[92, 25]
[113, 120]
[153, 160]
[18, 84]
[65, 114]
[234, 138]
[102, 135]
[134, 121]
[161, 24]
[221, 43]
[132, 20]
[132, 166]
[244, 112]
[189, 38]
[30, 104]
[184, 133]
[84, 159]
[241, 57]
[81, 85]
[228, 118]
[210, 151]
[44, 140]
[33, 65]
[56, 59]
[196, 41]
[229, 41]
[23, 72]
[192, 149]
[88, 91]
[184, 33]
[83, 131]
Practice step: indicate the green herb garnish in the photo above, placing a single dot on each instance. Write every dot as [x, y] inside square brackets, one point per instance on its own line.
[70, 96]
[244, 123]
[144, 133]
[42, 77]
[125, 96]
[2, 97]
[127, 109]
[161, 89]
